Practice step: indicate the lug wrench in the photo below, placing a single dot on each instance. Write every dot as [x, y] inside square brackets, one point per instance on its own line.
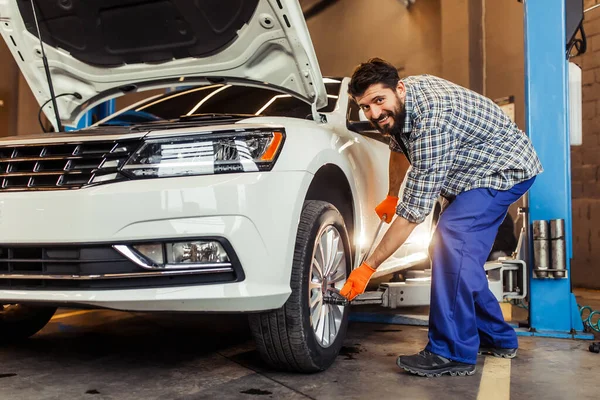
[335, 297]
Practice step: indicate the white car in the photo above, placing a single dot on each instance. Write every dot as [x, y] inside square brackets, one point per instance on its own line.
[250, 189]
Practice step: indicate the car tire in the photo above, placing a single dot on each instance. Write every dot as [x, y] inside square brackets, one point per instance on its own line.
[20, 321]
[288, 338]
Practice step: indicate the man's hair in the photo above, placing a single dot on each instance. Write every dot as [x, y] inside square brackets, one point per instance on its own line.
[372, 72]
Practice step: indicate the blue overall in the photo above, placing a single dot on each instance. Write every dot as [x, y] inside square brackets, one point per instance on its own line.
[464, 313]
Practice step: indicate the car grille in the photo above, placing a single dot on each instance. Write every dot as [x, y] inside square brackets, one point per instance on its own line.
[92, 267]
[58, 166]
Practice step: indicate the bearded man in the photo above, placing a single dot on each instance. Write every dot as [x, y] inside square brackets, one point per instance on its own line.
[446, 140]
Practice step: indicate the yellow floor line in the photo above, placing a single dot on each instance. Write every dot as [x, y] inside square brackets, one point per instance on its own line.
[71, 314]
[495, 379]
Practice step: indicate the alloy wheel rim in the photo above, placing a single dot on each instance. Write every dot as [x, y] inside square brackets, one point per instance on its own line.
[327, 273]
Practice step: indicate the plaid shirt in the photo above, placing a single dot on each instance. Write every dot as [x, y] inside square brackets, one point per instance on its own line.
[456, 140]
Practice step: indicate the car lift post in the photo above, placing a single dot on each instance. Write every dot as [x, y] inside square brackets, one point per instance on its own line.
[553, 310]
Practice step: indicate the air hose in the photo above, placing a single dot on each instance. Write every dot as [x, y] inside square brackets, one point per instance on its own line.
[590, 324]
[588, 321]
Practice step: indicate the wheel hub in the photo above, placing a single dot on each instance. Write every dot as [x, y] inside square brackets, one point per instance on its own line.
[328, 272]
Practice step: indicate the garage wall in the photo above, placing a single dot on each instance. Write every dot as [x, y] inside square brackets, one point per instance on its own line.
[9, 91]
[455, 41]
[18, 115]
[504, 53]
[27, 110]
[503, 60]
[351, 31]
[585, 161]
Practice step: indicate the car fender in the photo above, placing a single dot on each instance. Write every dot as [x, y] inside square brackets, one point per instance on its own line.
[309, 146]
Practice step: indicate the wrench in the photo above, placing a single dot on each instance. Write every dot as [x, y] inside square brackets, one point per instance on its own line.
[336, 298]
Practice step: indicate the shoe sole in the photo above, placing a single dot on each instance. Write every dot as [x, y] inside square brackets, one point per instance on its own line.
[499, 355]
[430, 374]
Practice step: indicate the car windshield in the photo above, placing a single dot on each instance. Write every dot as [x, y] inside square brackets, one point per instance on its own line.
[223, 100]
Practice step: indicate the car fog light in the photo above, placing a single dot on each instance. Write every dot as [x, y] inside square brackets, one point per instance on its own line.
[196, 252]
[152, 251]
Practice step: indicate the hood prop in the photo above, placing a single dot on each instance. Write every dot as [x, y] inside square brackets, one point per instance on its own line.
[47, 69]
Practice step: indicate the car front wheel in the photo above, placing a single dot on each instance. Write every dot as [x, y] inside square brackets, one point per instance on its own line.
[306, 334]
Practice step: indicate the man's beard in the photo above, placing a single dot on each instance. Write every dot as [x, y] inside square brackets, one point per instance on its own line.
[397, 115]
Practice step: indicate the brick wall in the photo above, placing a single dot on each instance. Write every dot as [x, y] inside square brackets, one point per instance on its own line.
[585, 162]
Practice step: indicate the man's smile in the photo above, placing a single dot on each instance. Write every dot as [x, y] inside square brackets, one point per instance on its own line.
[384, 120]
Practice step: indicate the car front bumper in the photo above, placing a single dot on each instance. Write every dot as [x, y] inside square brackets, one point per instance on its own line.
[256, 213]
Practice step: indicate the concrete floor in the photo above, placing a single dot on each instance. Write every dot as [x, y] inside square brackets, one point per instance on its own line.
[110, 355]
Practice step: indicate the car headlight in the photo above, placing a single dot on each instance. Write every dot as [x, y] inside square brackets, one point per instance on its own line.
[205, 154]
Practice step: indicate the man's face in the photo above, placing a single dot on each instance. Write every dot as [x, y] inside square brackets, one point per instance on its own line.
[383, 106]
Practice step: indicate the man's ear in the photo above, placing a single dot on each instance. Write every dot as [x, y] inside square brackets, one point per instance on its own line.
[401, 89]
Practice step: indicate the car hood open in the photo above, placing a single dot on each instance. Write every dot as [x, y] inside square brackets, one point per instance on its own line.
[102, 49]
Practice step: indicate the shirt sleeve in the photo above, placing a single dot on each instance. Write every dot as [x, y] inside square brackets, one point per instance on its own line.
[432, 151]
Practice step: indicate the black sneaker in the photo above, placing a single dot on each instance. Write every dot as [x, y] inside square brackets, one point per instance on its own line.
[426, 363]
[498, 352]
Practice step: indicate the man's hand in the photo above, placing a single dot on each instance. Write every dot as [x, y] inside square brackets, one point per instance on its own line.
[388, 208]
[357, 281]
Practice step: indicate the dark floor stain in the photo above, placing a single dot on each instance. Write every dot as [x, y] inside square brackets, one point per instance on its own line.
[92, 391]
[256, 392]
[390, 354]
[7, 375]
[387, 330]
[349, 352]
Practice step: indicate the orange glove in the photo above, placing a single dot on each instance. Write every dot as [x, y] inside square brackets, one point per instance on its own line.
[387, 207]
[357, 281]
